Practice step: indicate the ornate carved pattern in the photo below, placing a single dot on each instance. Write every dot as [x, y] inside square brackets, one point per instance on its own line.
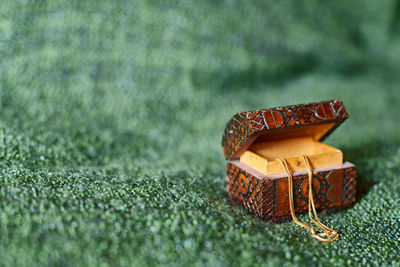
[245, 126]
[299, 115]
[258, 120]
[236, 133]
[349, 186]
[320, 188]
[259, 196]
[268, 198]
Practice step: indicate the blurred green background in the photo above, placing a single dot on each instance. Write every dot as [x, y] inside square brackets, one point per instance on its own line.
[112, 114]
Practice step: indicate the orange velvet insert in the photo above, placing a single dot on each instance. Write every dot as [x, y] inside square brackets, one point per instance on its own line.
[262, 156]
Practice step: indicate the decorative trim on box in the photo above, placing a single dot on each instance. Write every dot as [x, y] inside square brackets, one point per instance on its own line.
[244, 127]
[268, 197]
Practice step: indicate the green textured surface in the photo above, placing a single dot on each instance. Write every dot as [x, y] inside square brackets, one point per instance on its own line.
[112, 113]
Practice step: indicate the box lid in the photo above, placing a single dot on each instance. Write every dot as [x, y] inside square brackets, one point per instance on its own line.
[317, 120]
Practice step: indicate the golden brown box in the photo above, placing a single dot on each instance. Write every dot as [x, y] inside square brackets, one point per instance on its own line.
[253, 140]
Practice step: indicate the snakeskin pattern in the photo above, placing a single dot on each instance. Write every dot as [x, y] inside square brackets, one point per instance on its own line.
[268, 198]
[244, 127]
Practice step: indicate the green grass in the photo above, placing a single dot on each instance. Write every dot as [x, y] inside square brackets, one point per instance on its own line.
[112, 114]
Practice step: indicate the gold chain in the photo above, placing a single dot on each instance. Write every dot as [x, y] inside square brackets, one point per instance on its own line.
[329, 234]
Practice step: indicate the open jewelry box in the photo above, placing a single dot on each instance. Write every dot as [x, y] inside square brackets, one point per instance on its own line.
[254, 141]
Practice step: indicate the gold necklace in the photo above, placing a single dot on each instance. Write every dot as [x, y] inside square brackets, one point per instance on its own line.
[328, 234]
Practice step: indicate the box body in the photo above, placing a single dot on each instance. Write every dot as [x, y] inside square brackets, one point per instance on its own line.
[267, 196]
[265, 193]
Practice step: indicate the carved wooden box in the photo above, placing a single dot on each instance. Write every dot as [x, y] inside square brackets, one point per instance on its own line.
[254, 140]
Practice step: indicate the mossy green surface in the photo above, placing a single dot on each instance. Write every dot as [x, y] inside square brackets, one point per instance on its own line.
[112, 114]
